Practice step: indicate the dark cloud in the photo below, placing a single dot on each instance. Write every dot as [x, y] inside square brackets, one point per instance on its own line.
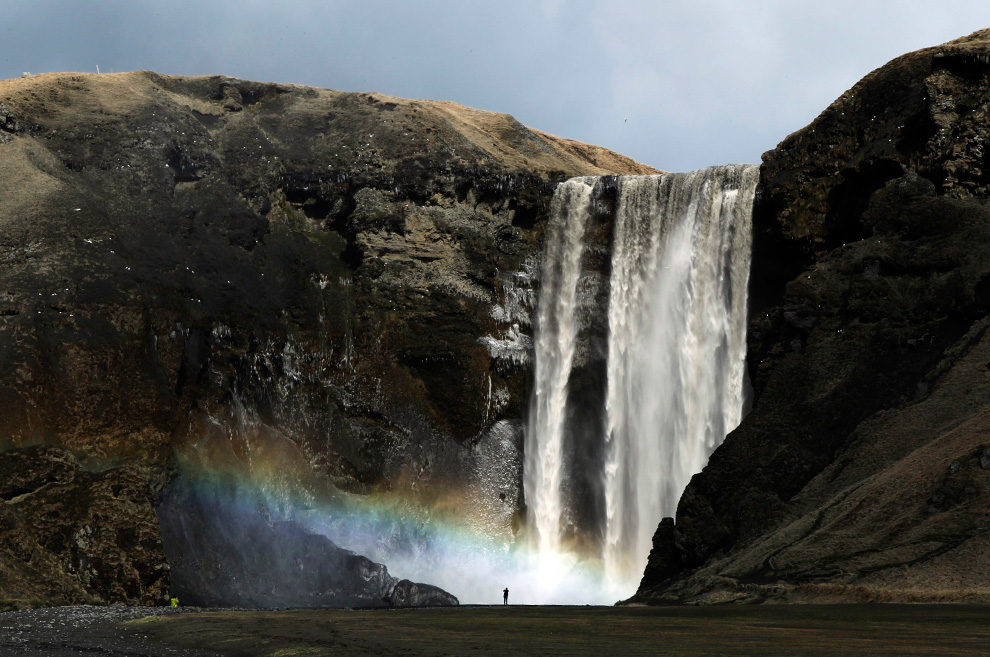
[677, 85]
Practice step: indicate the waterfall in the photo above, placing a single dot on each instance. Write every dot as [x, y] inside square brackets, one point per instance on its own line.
[554, 354]
[675, 356]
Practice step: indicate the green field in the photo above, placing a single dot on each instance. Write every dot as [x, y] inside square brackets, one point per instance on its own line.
[847, 630]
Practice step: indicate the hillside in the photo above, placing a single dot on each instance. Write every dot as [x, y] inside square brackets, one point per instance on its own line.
[861, 473]
[239, 289]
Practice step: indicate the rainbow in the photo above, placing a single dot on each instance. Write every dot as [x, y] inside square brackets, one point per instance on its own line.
[427, 533]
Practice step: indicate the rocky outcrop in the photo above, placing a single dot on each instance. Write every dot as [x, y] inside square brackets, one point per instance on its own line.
[253, 277]
[859, 474]
[70, 536]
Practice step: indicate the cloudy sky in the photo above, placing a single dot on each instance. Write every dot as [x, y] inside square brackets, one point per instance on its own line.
[678, 85]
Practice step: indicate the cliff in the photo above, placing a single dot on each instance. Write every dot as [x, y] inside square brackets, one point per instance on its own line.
[287, 285]
[68, 536]
[863, 471]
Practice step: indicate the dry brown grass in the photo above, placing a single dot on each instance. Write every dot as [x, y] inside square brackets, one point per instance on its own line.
[94, 96]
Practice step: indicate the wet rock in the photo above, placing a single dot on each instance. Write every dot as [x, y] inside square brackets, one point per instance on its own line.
[410, 594]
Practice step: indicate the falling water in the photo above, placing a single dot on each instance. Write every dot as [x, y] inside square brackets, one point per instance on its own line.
[676, 347]
[554, 349]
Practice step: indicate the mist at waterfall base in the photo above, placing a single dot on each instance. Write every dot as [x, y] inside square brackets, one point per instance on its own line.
[441, 539]
[674, 346]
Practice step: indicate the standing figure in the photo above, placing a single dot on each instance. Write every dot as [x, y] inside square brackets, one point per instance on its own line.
[505, 596]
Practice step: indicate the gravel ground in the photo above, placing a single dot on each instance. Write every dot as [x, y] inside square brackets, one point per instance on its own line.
[520, 631]
[86, 630]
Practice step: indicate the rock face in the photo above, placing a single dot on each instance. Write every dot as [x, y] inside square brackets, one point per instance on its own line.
[186, 238]
[861, 472]
[69, 536]
[243, 275]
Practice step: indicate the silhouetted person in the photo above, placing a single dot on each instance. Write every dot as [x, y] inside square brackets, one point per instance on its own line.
[505, 596]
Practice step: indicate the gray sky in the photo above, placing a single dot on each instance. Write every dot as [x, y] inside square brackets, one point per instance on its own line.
[678, 85]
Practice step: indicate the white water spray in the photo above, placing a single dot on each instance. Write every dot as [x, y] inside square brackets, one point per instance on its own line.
[676, 352]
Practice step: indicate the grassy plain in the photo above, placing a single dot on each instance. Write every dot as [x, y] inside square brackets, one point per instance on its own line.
[766, 630]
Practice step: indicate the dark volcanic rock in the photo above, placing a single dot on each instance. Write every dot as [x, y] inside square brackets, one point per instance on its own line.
[198, 240]
[868, 355]
[68, 535]
[234, 273]
[410, 594]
